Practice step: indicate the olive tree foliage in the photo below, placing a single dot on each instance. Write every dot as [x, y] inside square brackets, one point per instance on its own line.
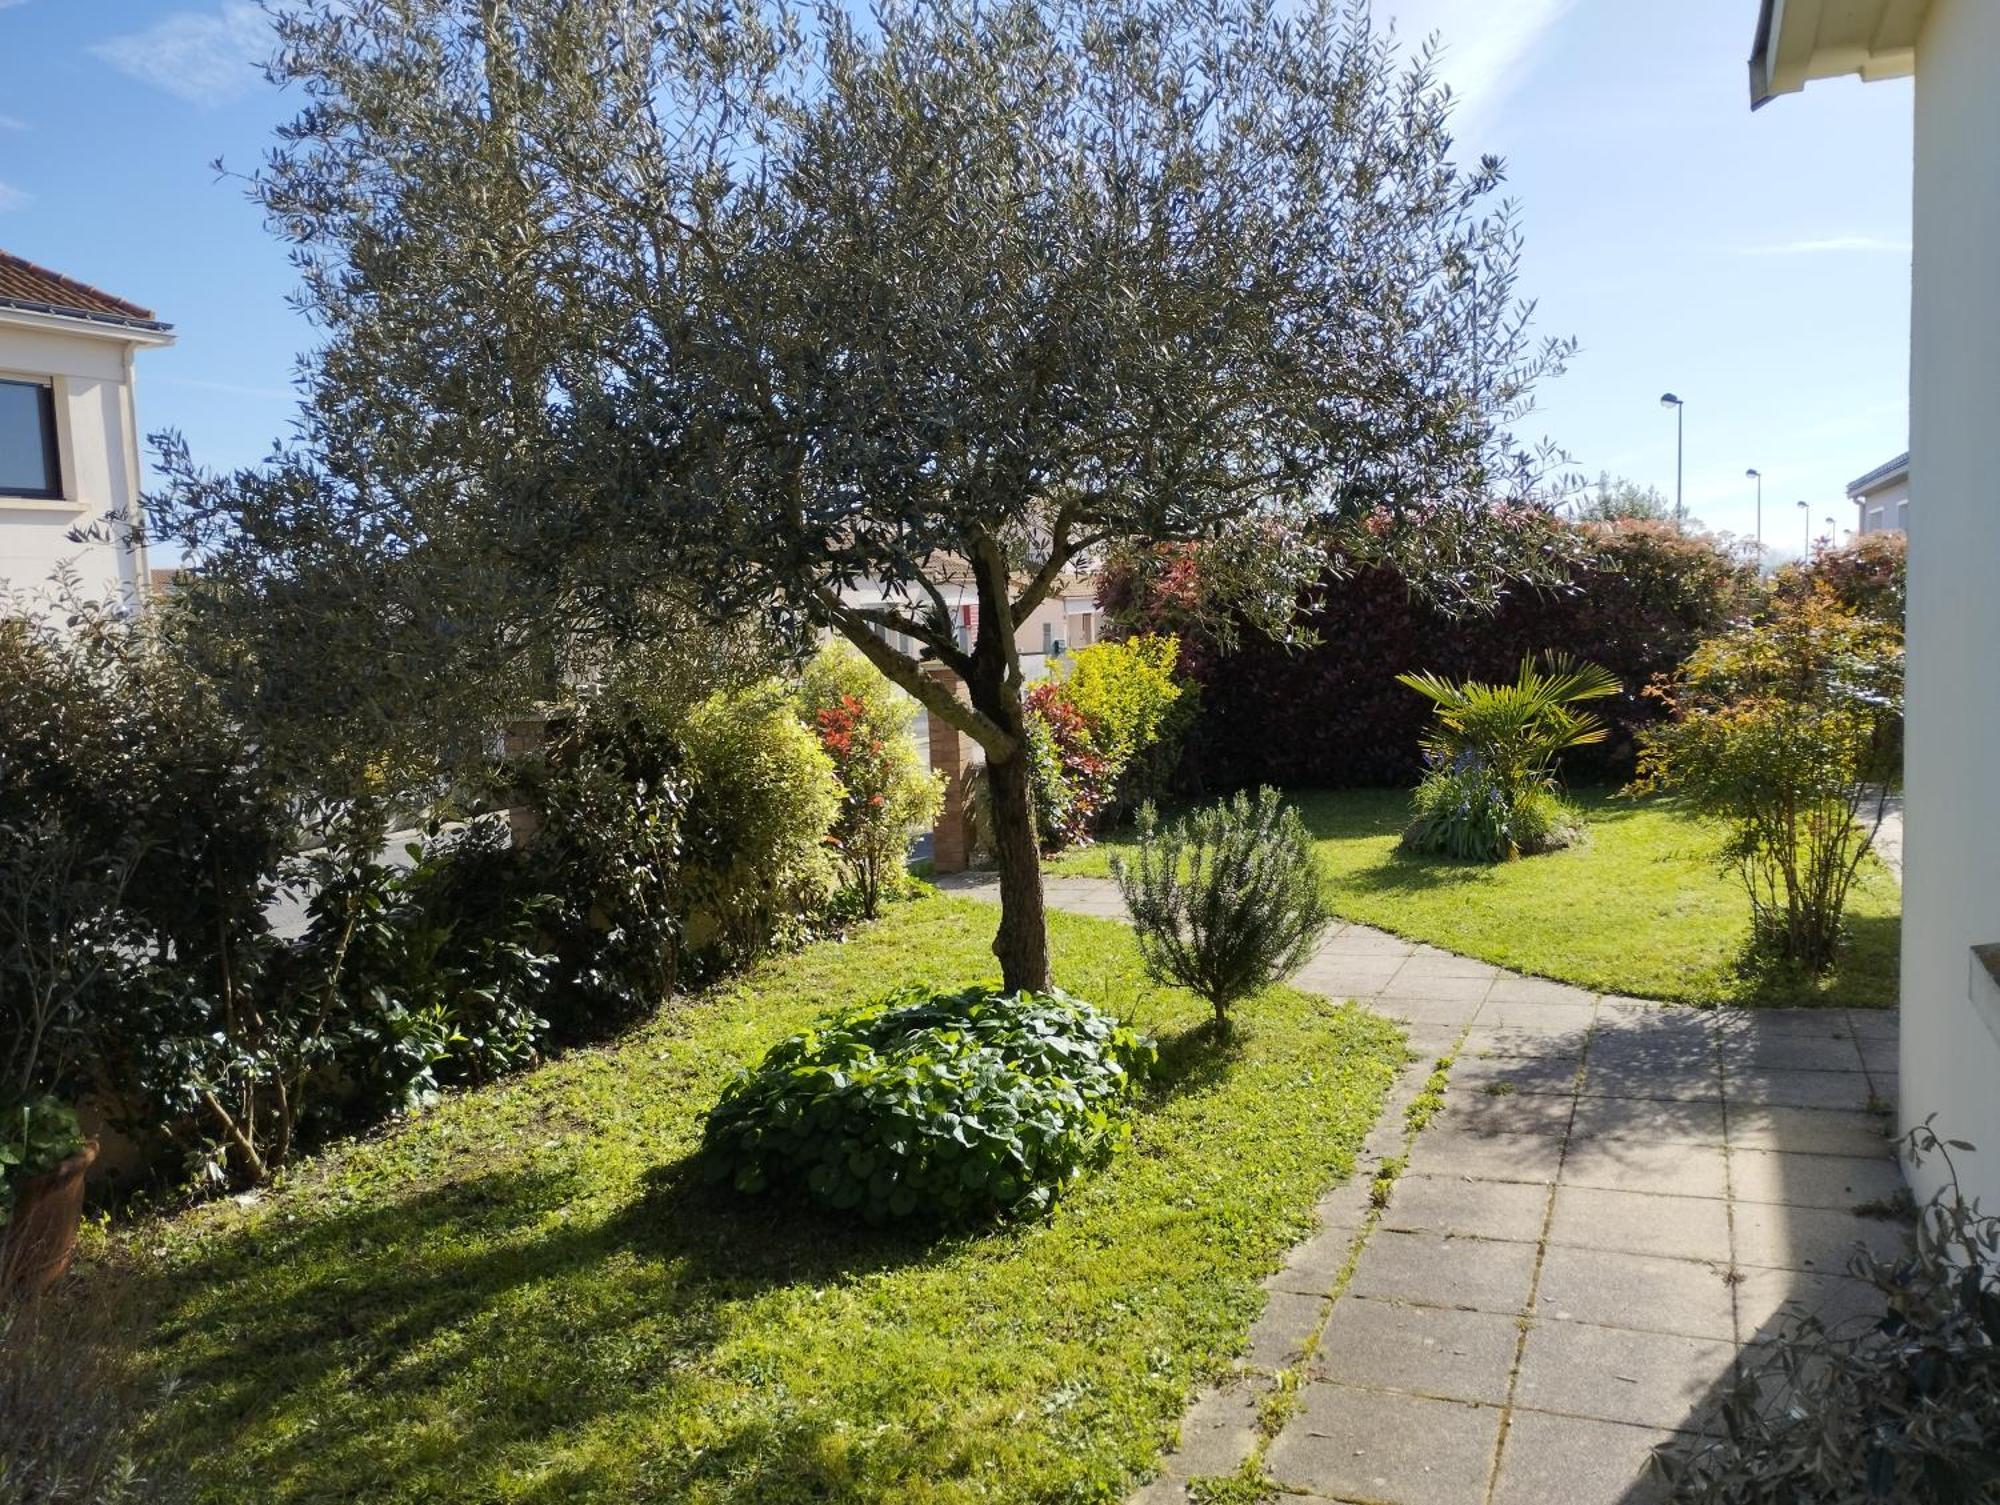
[775, 300]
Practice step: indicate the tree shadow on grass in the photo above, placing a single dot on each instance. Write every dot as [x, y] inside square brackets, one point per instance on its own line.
[1196, 1060]
[1864, 972]
[500, 1309]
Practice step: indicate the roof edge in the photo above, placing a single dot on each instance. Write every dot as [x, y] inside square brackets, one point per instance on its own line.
[1888, 471]
[84, 316]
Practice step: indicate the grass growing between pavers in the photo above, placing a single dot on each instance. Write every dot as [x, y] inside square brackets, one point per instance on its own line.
[524, 1296]
[1642, 907]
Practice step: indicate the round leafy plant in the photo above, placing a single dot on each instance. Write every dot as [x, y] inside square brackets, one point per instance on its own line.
[935, 1106]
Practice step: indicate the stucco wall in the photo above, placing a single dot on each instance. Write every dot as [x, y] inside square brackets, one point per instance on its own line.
[1951, 897]
[97, 448]
[1888, 502]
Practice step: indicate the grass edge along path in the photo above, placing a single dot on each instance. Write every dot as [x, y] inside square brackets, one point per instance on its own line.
[520, 1296]
[1641, 908]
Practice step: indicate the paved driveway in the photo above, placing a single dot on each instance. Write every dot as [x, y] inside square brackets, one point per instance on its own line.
[1614, 1200]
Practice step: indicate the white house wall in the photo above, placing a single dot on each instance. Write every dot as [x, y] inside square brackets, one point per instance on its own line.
[1951, 898]
[98, 450]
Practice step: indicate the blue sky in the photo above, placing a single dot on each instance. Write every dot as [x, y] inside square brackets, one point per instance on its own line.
[1758, 266]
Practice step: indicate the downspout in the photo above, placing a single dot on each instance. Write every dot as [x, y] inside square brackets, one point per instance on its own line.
[133, 554]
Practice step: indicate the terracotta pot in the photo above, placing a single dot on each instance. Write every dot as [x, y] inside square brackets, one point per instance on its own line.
[39, 1240]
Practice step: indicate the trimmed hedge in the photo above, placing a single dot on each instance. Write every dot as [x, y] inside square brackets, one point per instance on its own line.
[1638, 600]
[935, 1107]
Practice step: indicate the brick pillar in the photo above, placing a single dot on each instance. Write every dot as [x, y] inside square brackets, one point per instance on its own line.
[955, 755]
[523, 737]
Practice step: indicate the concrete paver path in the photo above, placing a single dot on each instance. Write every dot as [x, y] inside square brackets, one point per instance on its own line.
[1614, 1200]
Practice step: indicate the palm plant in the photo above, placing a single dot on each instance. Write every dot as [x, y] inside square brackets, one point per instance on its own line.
[1493, 748]
[1516, 731]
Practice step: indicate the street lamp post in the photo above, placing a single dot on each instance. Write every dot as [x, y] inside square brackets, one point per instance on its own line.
[1805, 515]
[1668, 400]
[1754, 474]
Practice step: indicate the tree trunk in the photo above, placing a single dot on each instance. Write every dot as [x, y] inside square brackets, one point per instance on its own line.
[1022, 942]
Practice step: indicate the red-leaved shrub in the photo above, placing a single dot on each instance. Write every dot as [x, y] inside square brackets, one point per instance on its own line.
[1638, 597]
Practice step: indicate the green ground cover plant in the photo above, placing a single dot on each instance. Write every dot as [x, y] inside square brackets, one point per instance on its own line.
[525, 1294]
[940, 1107]
[1643, 908]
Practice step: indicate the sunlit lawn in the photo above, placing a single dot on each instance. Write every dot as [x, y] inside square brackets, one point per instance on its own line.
[523, 1296]
[1642, 907]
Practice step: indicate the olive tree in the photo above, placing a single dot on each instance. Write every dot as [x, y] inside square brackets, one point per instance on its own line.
[829, 316]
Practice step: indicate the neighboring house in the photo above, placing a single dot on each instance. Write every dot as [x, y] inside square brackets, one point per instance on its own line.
[69, 434]
[1951, 853]
[1065, 622]
[1882, 498]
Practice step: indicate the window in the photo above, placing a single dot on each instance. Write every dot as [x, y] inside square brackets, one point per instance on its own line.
[1874, 523]
[28, 440]
[1903, 516]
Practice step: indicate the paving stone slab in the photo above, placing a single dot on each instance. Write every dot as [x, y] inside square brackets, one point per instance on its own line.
[1510, 988]
[1545, 1016]
[1798, 1180]
[1364, 940]
[1810, 1238]
[1820, 1131]
[1770, 1301]
[1679, 1170]
[1469, 991]
[1693, 1298]
[1280, 1335]
[1464, 1205]
[1438, 1270]
[1355, 1444]
[1791, 1053]
[1656, 1121]
[1312, 1267]
[1800, 1089]
[1638, 1222]
[1427, 1350]
[1618, 1374]
[1558, 1460]
[1218, 1432]
[1494, 1040]
[1446, 1151]
[1477, 1111]
[1683, 1082]
[1428, 961]
[1502, 1076]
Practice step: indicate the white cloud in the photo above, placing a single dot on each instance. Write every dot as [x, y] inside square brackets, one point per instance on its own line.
[10, 4]
[1486, 45]
[204, 57]
[1826, 243]
[12, 123]
[13, 198]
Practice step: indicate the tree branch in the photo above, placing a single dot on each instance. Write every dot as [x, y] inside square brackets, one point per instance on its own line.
[934, 697]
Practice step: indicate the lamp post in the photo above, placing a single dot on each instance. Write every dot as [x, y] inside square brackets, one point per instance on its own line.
[1805, 514]
[1668, 400]
[1754, 474]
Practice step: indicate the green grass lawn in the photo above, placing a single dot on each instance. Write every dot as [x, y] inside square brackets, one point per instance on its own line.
[1642, 907]
[523, 1296]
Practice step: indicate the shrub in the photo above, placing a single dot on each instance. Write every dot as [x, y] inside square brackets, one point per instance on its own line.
[757, 869]
[1463, 812]
[945, 1107]
[1322, 706]
[1490, 794]
[1227, 902]
[604, 867]
[1869, 576]
[1134, 709]
[1072, 782]
[1903, 1408]
[1789, 731]
[887, 795]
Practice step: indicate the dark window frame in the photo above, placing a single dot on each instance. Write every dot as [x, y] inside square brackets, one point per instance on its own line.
[52, 491]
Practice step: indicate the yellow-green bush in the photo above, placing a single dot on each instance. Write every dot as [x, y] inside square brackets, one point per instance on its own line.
[763, 800]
